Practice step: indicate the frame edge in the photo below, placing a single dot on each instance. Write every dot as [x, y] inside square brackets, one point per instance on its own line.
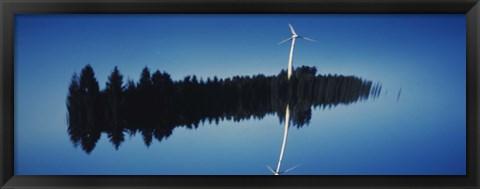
[473, 90]
[7, 91]
[6, 95]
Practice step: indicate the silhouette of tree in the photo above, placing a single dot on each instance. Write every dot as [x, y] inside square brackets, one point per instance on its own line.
[90, 93]
[145, 98]
[114, 93]
[145, 79]
[156, 105]
[75, 110]
[84, 106]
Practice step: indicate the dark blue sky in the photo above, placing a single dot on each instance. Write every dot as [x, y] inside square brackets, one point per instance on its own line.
[227, 45]
[422, 54]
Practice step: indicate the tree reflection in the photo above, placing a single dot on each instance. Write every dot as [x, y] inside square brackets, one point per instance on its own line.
[156, 104]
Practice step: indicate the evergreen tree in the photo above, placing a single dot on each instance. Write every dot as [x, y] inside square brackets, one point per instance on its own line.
[90, 93]
[145, 80]
[74, 107]
[88, 82]
[145, 98]
[115, 98]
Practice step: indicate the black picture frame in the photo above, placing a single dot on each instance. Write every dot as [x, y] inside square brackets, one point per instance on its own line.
[9, 8]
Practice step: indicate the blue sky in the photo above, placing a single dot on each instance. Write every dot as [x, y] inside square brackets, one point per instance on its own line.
[422, 54]
[227, 45]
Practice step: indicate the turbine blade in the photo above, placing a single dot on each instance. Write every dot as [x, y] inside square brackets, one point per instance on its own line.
[284, 41]
[294, 167]
[293, 30]
[271, 169]
[308, 39]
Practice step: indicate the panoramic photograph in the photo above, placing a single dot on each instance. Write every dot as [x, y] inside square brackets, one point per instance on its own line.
[240, 94]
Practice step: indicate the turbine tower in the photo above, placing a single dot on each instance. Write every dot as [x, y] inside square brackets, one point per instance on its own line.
[294, 36]
[282, 151]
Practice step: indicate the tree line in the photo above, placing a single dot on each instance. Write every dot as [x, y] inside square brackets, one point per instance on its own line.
[156, 104]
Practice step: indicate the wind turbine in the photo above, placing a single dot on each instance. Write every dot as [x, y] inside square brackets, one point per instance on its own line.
[282, 151]
[287, 112]
[294, 36]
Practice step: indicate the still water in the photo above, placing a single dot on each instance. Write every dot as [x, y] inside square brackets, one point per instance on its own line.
[390, 133]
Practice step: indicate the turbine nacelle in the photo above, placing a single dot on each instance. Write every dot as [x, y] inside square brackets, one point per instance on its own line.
[294, 35]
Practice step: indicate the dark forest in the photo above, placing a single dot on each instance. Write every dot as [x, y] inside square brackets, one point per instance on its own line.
[156, 104]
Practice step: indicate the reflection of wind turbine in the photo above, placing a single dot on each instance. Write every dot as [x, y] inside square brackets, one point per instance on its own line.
[285, 134]
[290, 59]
